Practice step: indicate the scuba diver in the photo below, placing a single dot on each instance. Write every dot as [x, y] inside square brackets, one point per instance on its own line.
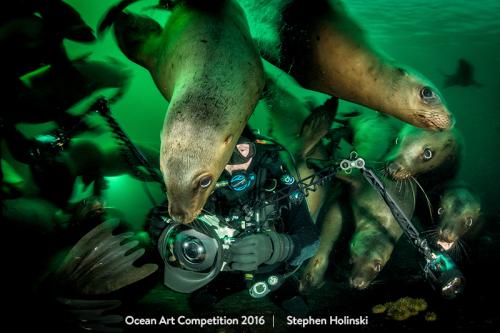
[269, 235]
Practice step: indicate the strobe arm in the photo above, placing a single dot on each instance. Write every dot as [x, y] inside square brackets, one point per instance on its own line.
[439, 268]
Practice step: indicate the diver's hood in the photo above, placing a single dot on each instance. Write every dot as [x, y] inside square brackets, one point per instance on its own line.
[237, 157]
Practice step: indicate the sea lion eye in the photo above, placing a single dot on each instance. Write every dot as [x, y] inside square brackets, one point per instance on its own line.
[427, 93]
[205, 182]
[427, 154]
[468, 223]
[378, 267]
[440, 211]
[397, 140]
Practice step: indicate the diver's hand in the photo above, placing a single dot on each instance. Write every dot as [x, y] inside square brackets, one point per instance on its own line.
[250, 252]
[90, 315]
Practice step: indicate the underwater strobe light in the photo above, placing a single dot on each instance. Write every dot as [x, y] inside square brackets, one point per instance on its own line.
[193, 254]
[444, 275]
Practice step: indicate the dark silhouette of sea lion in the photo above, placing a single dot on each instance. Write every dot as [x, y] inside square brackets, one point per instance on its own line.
[463, 76]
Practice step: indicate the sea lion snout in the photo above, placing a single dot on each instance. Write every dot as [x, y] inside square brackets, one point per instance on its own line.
[359, 283]
[181, 214]
[441, 121]
[397, 171]
[447, 236]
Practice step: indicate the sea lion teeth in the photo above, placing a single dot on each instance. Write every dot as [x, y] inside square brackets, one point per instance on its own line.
[446, 246]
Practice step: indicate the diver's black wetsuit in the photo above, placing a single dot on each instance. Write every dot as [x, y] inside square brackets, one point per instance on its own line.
[285, 216]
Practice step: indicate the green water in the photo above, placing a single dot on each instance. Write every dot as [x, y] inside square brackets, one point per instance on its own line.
[428, 35]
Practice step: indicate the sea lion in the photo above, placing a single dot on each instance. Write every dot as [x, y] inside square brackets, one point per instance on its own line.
[417, 152]
[463, 76]
[313, 276]
[324, 49]
[62, 18]
[371, 249]
[57, 169]
[206, 65]
[459, 211]
[376, 228]
[47, 93]
[376, 231]
[33, 34]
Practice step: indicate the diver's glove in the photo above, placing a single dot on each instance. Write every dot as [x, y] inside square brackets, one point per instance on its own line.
[269, 248]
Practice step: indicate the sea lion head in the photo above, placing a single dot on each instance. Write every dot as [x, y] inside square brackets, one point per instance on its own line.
[370, 251]
[415, 100]
[418, 151]
[458, 212]
[195, 148]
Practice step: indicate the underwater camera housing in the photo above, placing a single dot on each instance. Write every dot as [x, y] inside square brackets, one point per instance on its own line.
[194, 254]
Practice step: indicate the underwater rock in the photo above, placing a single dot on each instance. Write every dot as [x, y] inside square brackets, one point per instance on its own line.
[402, 309]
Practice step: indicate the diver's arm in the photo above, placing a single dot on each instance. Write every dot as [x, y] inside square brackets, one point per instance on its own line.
[303, 233]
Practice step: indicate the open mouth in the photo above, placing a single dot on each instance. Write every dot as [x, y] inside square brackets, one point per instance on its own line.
[445, 245]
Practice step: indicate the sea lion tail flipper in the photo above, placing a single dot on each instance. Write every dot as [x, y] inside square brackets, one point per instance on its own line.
[112, 15]
[66, 19]
[133, 33]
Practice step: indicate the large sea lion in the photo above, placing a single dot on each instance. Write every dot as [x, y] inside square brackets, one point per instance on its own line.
[206, 65]
[325, 49]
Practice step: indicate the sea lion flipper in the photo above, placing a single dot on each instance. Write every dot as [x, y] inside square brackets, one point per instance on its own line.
[112, 15]
[66, 19]
[134, 33]
[317, 124]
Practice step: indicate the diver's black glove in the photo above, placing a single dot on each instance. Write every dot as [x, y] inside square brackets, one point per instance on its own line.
[266, 248]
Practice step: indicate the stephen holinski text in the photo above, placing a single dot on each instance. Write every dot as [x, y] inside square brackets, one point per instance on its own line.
[332, 320]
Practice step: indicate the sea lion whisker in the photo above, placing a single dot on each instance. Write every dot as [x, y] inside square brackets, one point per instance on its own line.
[430, 232]
[429, 205]
[377, 282]
[464, 248]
